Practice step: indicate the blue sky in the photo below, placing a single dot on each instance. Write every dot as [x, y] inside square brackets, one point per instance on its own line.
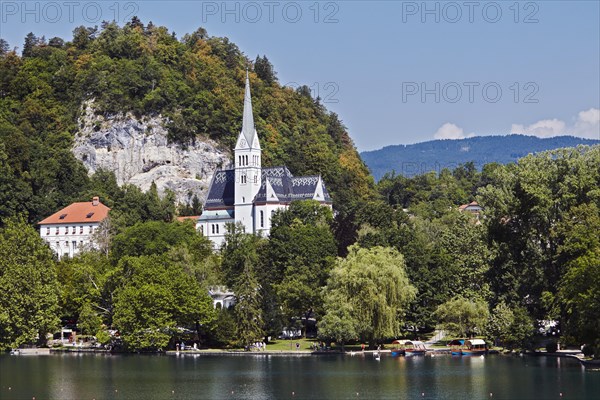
[397, 72]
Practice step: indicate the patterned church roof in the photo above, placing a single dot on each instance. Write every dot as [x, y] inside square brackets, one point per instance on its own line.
[287, 188]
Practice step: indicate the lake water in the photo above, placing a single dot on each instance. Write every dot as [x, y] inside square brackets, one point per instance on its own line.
[143, 377]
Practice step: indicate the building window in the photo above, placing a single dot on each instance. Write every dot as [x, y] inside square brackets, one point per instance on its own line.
[255, 178]
[74, 229]
[81, 229]
[91, 229]
[47, 230]
[57, 230]
[262, 219]
[213, 228]
[217, 228]
[202, 229]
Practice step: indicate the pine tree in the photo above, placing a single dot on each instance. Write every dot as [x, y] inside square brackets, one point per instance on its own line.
[248, 312]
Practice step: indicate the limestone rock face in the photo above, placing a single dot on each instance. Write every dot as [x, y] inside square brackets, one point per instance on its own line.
[138, 152]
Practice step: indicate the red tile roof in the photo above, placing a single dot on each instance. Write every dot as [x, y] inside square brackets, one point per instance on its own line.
[78, 213]
[473, 203]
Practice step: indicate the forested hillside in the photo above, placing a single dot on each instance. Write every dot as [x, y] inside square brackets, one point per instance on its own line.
[195, 82]
[435, 155]
[393, 259]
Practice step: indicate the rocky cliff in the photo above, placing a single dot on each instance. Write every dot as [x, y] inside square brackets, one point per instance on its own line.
[138, 152]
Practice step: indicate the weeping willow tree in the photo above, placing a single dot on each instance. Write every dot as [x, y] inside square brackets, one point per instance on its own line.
[372, 287]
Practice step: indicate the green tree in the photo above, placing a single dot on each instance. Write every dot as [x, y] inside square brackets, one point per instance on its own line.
[155, 237]
[499, 324]
[4, 47]
[89, 321]
[301, 252]
[83, 283]
[264, 70]
[521, 330]
[248, 312]
[28, 286]
[155, 299]
[579, 294]
[462, 316]
[340, 323]
[373, 282]
[224, 331]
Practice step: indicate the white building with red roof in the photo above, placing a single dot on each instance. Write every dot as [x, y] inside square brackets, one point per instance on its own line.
[69, 230]
[473, 207]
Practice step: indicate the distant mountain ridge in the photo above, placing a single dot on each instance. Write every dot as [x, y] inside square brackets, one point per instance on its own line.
[434, 155]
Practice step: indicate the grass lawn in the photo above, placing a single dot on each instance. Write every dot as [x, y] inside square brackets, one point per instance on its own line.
[287, 345]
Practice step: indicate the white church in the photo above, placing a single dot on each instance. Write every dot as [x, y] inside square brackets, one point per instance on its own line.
[249, 194]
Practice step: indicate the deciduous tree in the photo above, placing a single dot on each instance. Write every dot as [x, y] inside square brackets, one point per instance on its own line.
[374, 289]
[28, 286]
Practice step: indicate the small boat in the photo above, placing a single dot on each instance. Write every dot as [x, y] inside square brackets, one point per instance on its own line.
[474, 347]
[398, 349]
[414, 348]
[456, 346]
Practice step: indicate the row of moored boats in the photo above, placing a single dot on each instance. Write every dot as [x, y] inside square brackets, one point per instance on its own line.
[458, 347]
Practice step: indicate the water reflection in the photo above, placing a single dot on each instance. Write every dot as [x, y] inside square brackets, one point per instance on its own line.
[275, 377]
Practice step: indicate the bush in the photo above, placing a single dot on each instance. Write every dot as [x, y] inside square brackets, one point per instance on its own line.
[588, 350]
[103, 337]
[551, 347]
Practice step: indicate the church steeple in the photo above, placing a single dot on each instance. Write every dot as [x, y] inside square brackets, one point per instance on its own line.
[248, 176]
[248, 132]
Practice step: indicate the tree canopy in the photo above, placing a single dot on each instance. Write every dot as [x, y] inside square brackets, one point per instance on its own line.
[370, 286]
[28, 286]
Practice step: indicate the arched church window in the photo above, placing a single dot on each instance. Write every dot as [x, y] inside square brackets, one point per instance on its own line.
[262, 219]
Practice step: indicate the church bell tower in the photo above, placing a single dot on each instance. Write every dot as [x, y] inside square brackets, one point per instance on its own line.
[247, 166]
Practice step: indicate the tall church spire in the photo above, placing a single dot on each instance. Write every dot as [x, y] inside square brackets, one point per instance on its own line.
[248, 129]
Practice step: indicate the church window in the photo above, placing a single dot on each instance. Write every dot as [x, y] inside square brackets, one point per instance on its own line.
[217, 228]
[255, 178]
[246, 159]
[213, 228]
[202, 229]
[262, 219]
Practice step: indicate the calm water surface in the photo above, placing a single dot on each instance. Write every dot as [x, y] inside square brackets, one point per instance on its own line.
[142, 377]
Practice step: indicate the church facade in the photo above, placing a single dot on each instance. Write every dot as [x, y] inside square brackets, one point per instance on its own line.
[249, 194]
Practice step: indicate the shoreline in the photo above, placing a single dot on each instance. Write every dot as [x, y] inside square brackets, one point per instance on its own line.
[572, 354]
